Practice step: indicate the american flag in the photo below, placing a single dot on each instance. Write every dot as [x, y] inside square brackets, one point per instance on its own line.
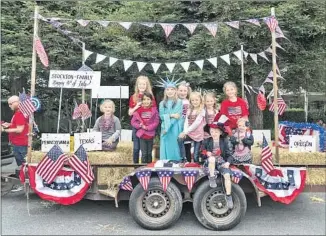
[79, 162]
[266, 156]
[144, 176]
[85, 112]
[281, 106]
[41, 52]
[25, 104]
[190, 178]
[76, 113]
[51, 164]
[126, 184]
[234, 111]
[271, 23]
[165, 178]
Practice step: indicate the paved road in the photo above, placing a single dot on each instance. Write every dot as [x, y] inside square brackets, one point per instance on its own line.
[304, 216]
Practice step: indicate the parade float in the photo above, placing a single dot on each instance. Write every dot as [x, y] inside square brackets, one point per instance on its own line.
[156, 192]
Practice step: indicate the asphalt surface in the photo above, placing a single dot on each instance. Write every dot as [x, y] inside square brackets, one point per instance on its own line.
[34, 217]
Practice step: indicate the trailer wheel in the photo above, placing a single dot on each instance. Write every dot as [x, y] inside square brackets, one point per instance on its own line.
[155, 209]
[211, 209]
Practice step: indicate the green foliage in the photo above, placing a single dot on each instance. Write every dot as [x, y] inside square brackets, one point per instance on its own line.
[302, 22]
[293, 115]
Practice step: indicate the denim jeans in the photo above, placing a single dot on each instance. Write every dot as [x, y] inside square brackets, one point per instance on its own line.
[20, 153]
[185, 150]
[196, 151]
[146, 147]
[136, 147]
[188, 146]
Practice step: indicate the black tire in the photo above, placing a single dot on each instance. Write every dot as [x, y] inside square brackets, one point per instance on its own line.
[213, 217]
[142, 208]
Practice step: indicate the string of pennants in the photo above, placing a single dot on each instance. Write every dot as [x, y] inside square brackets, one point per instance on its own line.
[169, 27]
[165, 176]
[185, 65]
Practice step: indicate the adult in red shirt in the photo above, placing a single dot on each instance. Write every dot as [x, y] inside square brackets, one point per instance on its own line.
[233, 107]
[17, 130]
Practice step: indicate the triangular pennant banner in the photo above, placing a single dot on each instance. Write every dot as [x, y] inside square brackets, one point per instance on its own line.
[269, 80]
[246, 86]
[254, 21]
[84, 68]
[271, 22]
[238, 54]
[125, 25]
[155, 66]
[170, 66]
[270, 74]
[112, 60]
[200, 63]
[165, 178]
[226, 58]
[87, 53]
[104, 23]
[279, 46]
[262, 89]
[148, 24]
[83, 22]
[263, 55]
[190, 178]
[213, 60]
[144, 177]
[269, 50]
[254, 57]
[212, 27]
[185, 65]
[127, 64]
[190, 27]
[141, 65]
[99, 58]
[245, 54]
[234, 24]
[167, 28]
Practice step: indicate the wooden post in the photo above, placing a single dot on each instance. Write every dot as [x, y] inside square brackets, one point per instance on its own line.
[242, 73]
[59, 112]
[275, 92]
[83, 90]
[33, 80]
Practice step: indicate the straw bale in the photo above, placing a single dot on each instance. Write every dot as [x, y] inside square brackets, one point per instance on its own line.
[316, 176]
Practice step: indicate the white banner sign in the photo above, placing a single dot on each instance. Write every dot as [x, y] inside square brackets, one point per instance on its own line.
[302, 143]
[49, 140]
[90, 141]
[111, 92]
[74, 79]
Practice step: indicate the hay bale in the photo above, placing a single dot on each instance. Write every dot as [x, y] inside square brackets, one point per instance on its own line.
[112, 176]
[288, 158]
[316, 176]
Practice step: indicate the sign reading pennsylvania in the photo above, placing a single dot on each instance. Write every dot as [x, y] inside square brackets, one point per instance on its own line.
[74, 79]
[49, 140]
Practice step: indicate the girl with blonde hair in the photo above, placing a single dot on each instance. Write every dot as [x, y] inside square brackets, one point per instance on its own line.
[193, 129]
[109, 125]
[142, 85]
[211, 109]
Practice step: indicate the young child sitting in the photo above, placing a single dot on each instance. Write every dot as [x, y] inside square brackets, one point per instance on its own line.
[145, 120]
[109, 125]
[218, 153]
[242, 141]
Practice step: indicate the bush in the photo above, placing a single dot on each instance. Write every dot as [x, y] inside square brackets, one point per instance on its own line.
[293, 115]
[314, 116]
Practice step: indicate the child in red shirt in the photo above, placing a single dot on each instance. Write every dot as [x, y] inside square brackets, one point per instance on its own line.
[233, 107]
[142, 85]
[145, 120]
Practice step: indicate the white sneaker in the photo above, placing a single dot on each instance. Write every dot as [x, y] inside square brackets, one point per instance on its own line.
[17, 188]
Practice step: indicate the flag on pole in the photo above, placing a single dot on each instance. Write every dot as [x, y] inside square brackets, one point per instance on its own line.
[126, 184]
[144, 177]
[190, 178]
[76, 113]
[271, 22]
[266, 156]
[25, 104]
[165, 178]
[40, 51]
[51, 164]
[79, 162]
[85, 112]
[281, 106]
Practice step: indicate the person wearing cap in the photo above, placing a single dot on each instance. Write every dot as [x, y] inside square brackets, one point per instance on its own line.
[218, 151]
[17, 130]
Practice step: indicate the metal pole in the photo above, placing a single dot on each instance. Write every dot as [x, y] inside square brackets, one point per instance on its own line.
[242, 73]
[83, 90]
[33, 79]
[306, 105]
[275, 92]
[59, 115]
